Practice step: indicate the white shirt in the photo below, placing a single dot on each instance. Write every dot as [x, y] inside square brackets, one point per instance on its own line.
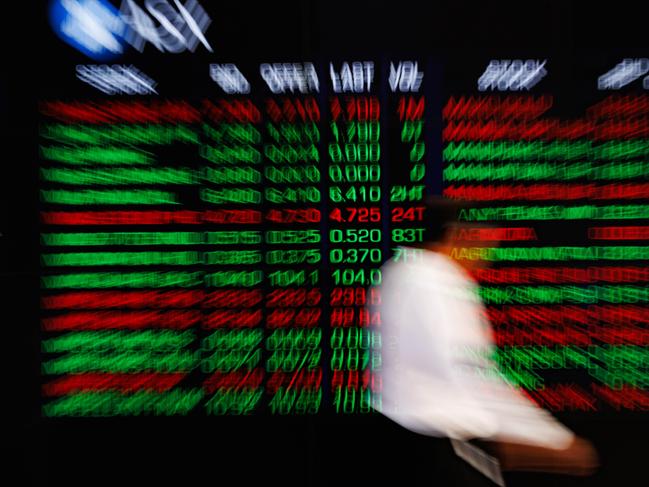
[437, 373]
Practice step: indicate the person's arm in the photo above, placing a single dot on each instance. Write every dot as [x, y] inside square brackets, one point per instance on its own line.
[525, 437]
[433, 390]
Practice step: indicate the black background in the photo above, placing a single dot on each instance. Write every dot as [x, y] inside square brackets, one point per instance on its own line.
[318, 450]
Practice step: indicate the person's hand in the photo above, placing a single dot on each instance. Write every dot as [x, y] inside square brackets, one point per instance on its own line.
[578, 458]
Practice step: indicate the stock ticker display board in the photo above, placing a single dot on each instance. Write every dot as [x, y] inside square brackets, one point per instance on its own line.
[212, 228]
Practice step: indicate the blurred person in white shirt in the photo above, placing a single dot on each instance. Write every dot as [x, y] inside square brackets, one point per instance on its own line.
[439, 378]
